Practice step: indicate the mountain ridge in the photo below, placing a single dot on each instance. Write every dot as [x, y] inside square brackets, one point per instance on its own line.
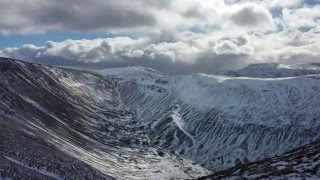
[190, 124]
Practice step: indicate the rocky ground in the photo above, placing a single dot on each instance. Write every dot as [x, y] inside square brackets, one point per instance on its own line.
[301, 163]
[22, 156]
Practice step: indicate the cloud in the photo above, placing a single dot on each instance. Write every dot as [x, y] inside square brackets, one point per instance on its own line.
[76, 15]
[233, 46]
[194, 12]
[175, 58]
[253, 16]
[212, 16]
[269, 4]
[302, 17]
[173, 36]
[287, 46]
[145, 16]
[188, 52]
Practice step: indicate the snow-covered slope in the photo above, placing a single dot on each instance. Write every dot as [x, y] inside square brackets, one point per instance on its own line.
[83, 115]
[137, 123]
[275, 70]
[218, 120]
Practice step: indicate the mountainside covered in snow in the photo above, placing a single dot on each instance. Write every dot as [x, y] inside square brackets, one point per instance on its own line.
[138, 123]
[83, 116]
[275, 70]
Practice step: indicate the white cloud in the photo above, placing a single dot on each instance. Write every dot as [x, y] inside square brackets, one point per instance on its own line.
[233, 46]
[286, 45]
[145, 16]
[177, 51]
[217, 16]
[253, 16]
[302, 17]
[280, 3]
[185, 56]
[270, 4]
[176, 36]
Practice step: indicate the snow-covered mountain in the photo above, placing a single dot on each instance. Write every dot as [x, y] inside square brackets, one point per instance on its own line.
[82, 116]
[137, 123]
[275, 70]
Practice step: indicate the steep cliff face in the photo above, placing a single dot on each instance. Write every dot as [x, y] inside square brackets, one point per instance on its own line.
[139, 123]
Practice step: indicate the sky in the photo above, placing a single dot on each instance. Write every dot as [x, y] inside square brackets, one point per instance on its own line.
[172, 36]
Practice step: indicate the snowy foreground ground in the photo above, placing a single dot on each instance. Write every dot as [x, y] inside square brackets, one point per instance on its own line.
[137, 123]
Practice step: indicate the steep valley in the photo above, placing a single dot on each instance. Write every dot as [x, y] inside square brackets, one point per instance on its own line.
[137, 123]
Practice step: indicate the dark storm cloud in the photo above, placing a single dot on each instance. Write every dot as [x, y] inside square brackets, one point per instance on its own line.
[31, 16]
